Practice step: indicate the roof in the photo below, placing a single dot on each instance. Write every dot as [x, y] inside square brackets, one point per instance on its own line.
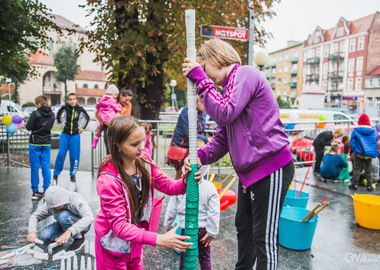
[4, 88]
[313, 89]
[90, 92]
[65, 24]
[374, 72]
[90, 75]
[41, 58]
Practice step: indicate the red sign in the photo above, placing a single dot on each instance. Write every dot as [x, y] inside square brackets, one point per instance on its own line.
[224, 32]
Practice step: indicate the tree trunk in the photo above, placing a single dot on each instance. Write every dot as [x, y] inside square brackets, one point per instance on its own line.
[15, 94]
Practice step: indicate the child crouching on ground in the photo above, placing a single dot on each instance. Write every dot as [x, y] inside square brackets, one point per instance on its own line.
[209, 214]
[332, 163]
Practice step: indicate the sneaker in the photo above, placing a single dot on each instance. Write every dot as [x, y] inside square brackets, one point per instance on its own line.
[353, 187]
[37, 195]
[370, 188]
[72, 178]
[317, 174]
[336, 181]
[77, 244]
[346, 180]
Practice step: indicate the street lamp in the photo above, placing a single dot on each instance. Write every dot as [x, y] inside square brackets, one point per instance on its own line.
[261, 58]
[173, 84]
[8, 80]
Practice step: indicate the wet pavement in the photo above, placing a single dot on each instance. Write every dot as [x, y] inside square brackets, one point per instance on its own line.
[339, 243]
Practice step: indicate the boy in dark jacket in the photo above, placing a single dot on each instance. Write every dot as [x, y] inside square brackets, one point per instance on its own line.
[72, 119]
[364, 146]
[323, 139]
[40, 123]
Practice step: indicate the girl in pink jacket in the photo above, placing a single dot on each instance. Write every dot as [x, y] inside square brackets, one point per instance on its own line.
[106, 110]
[126, 182]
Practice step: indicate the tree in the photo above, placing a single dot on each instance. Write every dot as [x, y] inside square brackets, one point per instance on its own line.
[143, 43]
[23, 30]
[21, 72]
[65, 60]
[283, 104]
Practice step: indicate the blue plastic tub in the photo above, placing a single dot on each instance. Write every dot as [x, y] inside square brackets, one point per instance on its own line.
[293, 233]
[292, 201]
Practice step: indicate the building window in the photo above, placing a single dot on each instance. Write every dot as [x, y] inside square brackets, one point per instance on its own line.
[336, 47]
[285, 80]
[378, 102]
[318, 52]
[312, 53]
[369, 101]
[351, 64]
[342, 46]
[340, 32]
[360, 43]
[286, 68]
[279, 80]
[294, 66]
[305, 55]
[279, 70]
[96, 86]
[352, 45]
[85, 85]
[295, 54]
[350, 84]
[274, 70]
[284, 92]
[280, 58]
[316, 37]
[286, 57]
[370, 82]
[358, 84]
[359, 64]
[325, 86]
[326, 51]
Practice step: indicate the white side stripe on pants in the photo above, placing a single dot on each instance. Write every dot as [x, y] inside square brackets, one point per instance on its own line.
[273, 216]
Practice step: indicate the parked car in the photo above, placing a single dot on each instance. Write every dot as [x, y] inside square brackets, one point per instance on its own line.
[10, 108]
[29, 109]
[90, 109]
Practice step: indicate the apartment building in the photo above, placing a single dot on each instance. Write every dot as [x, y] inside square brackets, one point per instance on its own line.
[338, 59]
[89, 83]
[284, 72]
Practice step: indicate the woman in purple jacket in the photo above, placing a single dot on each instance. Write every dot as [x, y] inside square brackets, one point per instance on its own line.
[249, 128]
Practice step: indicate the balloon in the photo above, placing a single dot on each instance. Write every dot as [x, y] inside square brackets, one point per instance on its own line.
[6, 119]
[92, 126]
[11, 128]
[322, 117]
[293, 117]
[20, 125]
[16, 119]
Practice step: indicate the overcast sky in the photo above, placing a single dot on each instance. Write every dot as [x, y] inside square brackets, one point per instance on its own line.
[294, 21]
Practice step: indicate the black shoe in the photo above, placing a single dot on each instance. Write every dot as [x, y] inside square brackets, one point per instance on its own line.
[353, 187]
[72, 178]
[370, 188]
[77, 244]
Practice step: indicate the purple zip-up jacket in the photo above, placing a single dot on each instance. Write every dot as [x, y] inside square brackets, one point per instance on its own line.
[248, 120]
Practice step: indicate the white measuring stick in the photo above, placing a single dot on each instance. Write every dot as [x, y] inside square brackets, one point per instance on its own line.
[11, 254]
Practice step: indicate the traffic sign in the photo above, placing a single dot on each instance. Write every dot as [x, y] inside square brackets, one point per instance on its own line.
[224, 32]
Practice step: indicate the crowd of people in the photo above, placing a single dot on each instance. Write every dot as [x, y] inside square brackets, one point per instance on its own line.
[248, 118]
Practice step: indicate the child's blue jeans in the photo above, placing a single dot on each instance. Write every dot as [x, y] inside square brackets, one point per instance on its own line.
[64, 221]
[39, 155]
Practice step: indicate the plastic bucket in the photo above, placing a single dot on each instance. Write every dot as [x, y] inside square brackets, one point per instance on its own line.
[293, 233]
[367, 210]
[294, 201]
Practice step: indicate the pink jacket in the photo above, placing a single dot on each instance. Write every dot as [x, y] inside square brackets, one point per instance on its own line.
[114, 212]
[108, 108]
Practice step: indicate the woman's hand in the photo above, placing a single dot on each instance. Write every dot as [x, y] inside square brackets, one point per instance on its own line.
[63, 238]
[188, 65]
[173, 240]
[31, 237]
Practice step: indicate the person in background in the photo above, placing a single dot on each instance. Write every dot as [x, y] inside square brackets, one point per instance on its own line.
[250, 130]
[181, 131]
[364, 146]
[149, 139]
[344, 173]
[106, 110]
[40, 123]
[72, 120]
[320, 142]
[375, 171]
[124, 99]
[332, 163]
[73, 218]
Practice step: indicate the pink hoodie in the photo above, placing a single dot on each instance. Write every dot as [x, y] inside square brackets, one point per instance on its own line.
[108, 108]
[115, 214]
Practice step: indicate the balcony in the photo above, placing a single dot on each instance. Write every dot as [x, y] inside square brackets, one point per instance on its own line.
[294, 71]
[273, 64]
[51, 89]
[294, 59]
[292, 84]
[312, 77]
[336, 57]
[267, 65]
[313, 61]
[269, 75]
[273, 85]
[336, 75]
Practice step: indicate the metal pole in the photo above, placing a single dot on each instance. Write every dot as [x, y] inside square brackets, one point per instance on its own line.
[251, 32]
[9, 93]
[158, 141]
[8, 151]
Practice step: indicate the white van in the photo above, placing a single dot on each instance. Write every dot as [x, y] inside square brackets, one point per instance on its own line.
[10, 108]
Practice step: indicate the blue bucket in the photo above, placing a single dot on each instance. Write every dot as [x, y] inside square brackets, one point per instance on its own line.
[292, 201]
[293, 233]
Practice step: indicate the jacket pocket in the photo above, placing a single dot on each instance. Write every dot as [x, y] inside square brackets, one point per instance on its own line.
[113, 243]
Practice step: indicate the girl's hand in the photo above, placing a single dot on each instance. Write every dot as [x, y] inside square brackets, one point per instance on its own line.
[187, 167]
[206, 240]
[31, 237]
[188, 65]
[63, 238]
[173, 240]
